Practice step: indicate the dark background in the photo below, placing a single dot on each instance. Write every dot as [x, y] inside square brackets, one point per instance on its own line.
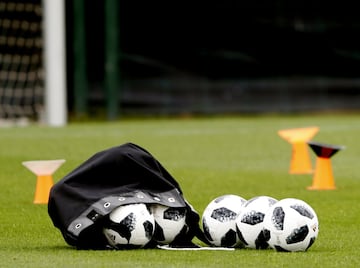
[225, 56]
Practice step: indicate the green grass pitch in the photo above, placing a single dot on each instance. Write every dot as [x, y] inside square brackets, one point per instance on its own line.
[208, 157]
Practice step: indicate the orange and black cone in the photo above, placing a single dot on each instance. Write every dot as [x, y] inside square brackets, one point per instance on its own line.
[323, 178]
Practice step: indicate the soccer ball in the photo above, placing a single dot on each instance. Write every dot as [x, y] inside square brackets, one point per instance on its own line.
[291, 225]
[169, 222]
[249, 223]
[129, 226]
[218, 220]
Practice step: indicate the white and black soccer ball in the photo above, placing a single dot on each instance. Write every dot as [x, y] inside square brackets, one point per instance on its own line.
[218, 220]
[169, 223]
[291, 225]
[249, 223]
[129, 227]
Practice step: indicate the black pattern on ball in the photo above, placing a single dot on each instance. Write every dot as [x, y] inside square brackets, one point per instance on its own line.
[278, 218]
[280, 249]
[312, 240]
[240, 236]
[158, 233]
[253, 217]
[174, 214]
[229, 239]
[124, 227]
[266, 234]
[303, 211]
[219, 199]
[223, 214]
[207, 231]
[297, 235]
[261, 242]
[149, 229]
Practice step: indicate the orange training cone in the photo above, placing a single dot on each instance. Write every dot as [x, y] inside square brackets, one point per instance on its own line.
[43, 169]
[300, 160]
[323, 177]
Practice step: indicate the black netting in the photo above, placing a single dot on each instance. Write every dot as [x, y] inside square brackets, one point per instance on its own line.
[21, 80]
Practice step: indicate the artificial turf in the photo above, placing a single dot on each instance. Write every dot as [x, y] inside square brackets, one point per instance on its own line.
[209, 157]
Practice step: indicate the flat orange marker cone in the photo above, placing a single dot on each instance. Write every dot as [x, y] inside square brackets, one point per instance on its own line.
[43, 169]
[323, 177]
[300, 160]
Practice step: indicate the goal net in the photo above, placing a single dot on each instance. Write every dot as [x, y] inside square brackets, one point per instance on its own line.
[21, 68]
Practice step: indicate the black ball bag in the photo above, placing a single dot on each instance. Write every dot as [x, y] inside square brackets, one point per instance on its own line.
[80, 203]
